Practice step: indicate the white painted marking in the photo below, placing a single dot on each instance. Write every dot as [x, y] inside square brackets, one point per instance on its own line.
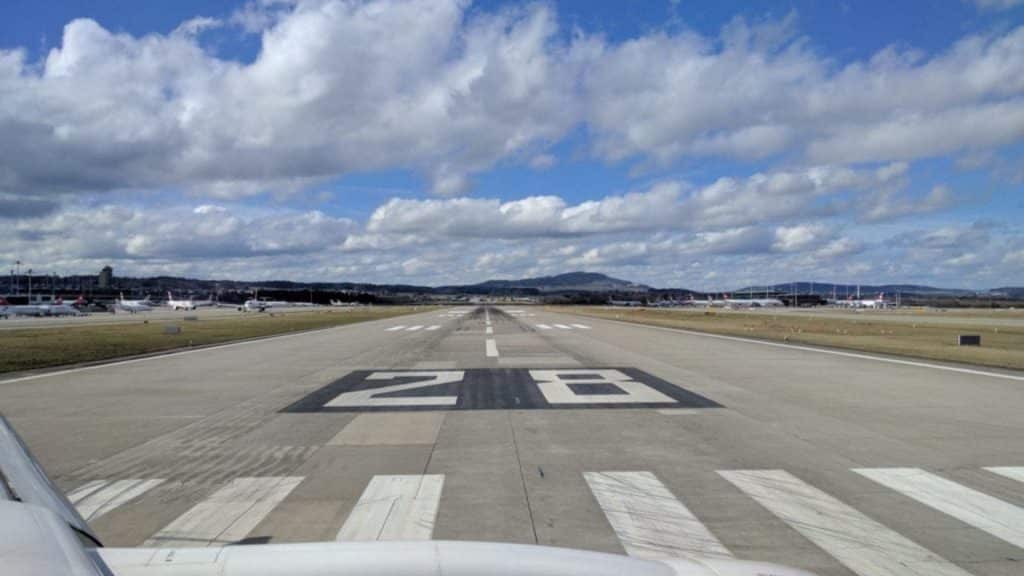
[97, 498]
[432, 328]
[227, 515]
[414, 328]
[395, 508]
[1000, 519]
[649, 521]
[543, 326]
[492, 348]
[394, 328]
[1011, 472]
[433, 378]
[824, 351]
[490, 330]
[860, 543]
[678, 411]
[563, 327]
[581, 326]
[557, 389]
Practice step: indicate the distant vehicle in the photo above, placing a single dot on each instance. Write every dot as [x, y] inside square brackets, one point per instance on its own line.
[254, 305]
[133, 306]
[180, 304]
[626, 303]
[873, 303]
[342, 304]
[59, 308]
[7, 309]
[44, 534]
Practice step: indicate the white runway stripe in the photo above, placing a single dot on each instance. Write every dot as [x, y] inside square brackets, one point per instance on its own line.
[414, 328]
[227, 515]
[861, 544]
[581, 326]
[490, 330]
[543, 326]
[393, 328]
[649, 521]
[395, 508]
[432, 328]
[1000, 519]
[99, 497]
[1011, 472]
[492, 348]
[563, 327]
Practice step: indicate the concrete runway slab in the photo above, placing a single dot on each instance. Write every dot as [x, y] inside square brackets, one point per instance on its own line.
[216, 420]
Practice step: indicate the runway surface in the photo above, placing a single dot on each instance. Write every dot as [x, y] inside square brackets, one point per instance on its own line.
[515, 424]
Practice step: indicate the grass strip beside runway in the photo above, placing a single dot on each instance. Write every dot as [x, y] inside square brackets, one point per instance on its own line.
[1002, 346]
[33, 348]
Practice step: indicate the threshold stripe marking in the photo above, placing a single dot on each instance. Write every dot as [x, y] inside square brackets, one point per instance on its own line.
[401, 507]
[543, 326]
[580, 326]
[1011, 472]
[492, 348]
[824, 351]
[563, 327]
[414, 328]
[648, 520]
[227, 515]
[394, 328]
[860, 543]
[99, 497]
[1000, 519]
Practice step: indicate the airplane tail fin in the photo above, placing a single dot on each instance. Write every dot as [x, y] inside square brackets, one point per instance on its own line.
[22, 479]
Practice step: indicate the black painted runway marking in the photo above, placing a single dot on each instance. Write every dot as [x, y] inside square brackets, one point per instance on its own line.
[498, 389]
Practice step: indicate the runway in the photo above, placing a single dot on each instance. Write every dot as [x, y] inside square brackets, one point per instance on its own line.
[516, 424]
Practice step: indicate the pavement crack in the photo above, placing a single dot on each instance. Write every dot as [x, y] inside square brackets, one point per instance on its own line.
[522, 478]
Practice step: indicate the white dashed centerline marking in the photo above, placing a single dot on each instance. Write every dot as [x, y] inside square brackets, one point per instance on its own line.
[395, 508]
[581, 326]
[490, 330]
[563, 327]
[492, 348]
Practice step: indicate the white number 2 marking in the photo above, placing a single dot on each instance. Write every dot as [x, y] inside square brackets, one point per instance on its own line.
[429, 378]
[556, 389]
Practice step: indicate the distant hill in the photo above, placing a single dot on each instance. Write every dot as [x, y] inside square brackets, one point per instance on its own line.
[841, 290]
[572, 281]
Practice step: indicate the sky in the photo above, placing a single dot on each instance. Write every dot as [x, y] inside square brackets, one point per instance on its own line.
[707, 145]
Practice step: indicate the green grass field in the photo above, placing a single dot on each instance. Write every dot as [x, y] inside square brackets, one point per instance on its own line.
[32, 348]
[1002, 346]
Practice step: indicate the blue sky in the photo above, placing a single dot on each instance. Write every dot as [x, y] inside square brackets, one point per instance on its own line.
[698, 144]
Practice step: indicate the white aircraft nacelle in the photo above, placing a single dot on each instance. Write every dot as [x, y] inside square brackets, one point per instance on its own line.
[410, 559]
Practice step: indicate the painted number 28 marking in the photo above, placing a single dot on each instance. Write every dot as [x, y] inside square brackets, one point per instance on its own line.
[567, 386]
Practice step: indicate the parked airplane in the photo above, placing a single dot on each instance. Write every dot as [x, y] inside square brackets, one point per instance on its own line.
[133, 306]
[626, 303]
[7, 309]
[42, 534]
[851, 302]
[180, 304]
[59, 308]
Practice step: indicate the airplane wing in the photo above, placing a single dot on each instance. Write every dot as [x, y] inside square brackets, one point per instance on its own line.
[41, 534]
